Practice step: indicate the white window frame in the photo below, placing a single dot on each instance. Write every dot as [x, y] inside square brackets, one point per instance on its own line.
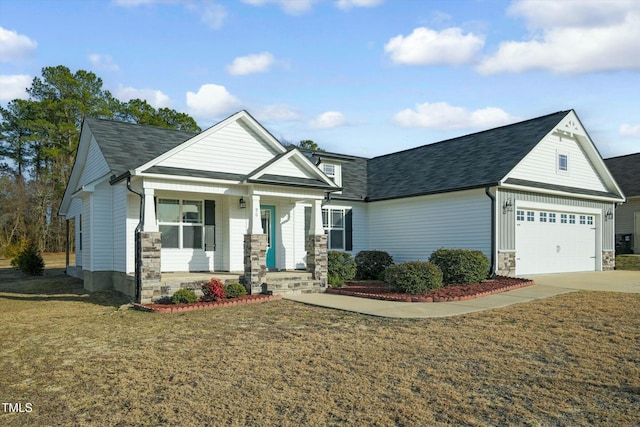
[519, 215]
[559, 167]
[333, 171]
[181, 223]
[329, 226]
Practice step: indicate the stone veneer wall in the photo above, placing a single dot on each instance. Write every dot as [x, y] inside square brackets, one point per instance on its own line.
[317, 263]
[608, 260]
[150, 270]
[506, 264]
[255, 261]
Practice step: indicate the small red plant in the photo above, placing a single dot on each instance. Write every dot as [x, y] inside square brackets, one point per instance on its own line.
[213, 290]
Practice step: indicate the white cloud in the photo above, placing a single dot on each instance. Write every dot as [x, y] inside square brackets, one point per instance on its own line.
[103, 62]
[292, 7]
[14, 86]
[442, 116]
[630, 130]
[348, 4]
[212, 101]
[426, 46]
[155, 98]
[596, 36]
[212, 14]
[250, 64]
[15, 47]
[329, 119]
[278, 112]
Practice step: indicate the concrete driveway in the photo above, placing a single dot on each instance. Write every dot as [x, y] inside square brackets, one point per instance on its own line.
[546, 285]
[613, 281]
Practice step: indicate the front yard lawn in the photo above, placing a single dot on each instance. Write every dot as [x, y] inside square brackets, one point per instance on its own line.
[83, 359]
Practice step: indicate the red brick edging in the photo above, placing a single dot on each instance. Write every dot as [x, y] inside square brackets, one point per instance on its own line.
[422, 298]
[178, 308]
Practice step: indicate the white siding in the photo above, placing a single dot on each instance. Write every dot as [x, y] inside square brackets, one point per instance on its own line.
[286, 225]
[540, 165]
[86, 232]
[95, 165]
[133, 218]
[102, 229]
[232, 149]
[238, 224]
[119, 212]
[624, 215]
[299, 237]
[410, 229]
[288, 167]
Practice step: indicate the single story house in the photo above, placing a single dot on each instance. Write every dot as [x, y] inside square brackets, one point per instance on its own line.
[626, 171]
[535, 197]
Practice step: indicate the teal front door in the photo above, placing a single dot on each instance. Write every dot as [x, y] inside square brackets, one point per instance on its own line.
[268, 215]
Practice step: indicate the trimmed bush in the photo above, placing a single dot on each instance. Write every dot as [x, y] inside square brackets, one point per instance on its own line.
[184, 296]
[461, 266]
[341, 267]
[29, 260]
[234, 290]
[413, 277]
[335, 281]
[213, 290]
[371, 264]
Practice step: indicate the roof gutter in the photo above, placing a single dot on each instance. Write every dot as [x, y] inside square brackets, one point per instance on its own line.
[138, 240]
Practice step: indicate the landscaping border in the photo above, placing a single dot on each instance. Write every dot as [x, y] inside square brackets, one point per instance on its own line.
[438, 295]
[227, 302]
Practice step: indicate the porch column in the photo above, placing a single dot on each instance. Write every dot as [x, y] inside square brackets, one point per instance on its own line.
[316, 245]
[255, 249]
[150, 223]
[150, 275]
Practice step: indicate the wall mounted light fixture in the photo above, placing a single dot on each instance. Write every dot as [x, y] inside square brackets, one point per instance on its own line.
[243, 204]
[609, 215]
[507, 207]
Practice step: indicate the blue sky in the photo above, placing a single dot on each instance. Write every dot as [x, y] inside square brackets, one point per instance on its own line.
[361, 77]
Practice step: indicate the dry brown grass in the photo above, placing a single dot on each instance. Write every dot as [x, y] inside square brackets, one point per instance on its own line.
[81, 360]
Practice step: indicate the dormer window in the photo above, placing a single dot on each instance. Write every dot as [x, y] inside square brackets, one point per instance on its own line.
[329, 170]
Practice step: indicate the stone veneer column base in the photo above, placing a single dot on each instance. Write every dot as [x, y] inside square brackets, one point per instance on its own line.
[150, 271]
[317, 263]
[506, 264]
[255, 261]
[608, 260]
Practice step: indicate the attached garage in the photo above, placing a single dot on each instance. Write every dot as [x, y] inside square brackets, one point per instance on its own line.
[556, 241]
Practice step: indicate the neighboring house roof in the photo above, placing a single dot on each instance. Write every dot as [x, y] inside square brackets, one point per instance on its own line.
[126, 146]
[626, 171]
[477, 160]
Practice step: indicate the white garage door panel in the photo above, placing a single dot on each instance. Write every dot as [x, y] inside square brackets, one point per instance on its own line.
[551, 246]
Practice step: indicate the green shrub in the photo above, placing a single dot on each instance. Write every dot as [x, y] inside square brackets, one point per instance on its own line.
[184, 296]
[461, 266]
[371, 264]
[413, 277]
[341, 266]
[335, 281]
[234, 290]
[29, 260]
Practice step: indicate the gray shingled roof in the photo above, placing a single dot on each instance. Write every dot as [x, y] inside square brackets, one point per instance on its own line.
[126, 146]
[471, 161]
[626, 171]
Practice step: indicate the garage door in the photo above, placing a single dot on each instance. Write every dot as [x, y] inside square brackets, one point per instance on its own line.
[554, 242]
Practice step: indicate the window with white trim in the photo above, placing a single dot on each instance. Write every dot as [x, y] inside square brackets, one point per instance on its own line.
[181, 223]
[572, 219]
[562, 165]
[543, 217]
[334, 227]
[531, 216]
[589, 220]
[583, 219]
[552, 217]
[329, 170]
[519, 215]
[563, 218]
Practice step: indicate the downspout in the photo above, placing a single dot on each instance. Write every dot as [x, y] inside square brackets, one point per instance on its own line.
[138, 254]
[492, 269]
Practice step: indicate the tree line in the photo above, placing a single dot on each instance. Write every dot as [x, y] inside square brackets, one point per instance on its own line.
[38, 141]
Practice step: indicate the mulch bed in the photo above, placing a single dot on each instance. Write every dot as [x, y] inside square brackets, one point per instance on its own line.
[378, 290]
[226, 302]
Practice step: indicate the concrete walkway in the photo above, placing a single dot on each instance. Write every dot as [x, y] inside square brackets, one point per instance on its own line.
[547, 285]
